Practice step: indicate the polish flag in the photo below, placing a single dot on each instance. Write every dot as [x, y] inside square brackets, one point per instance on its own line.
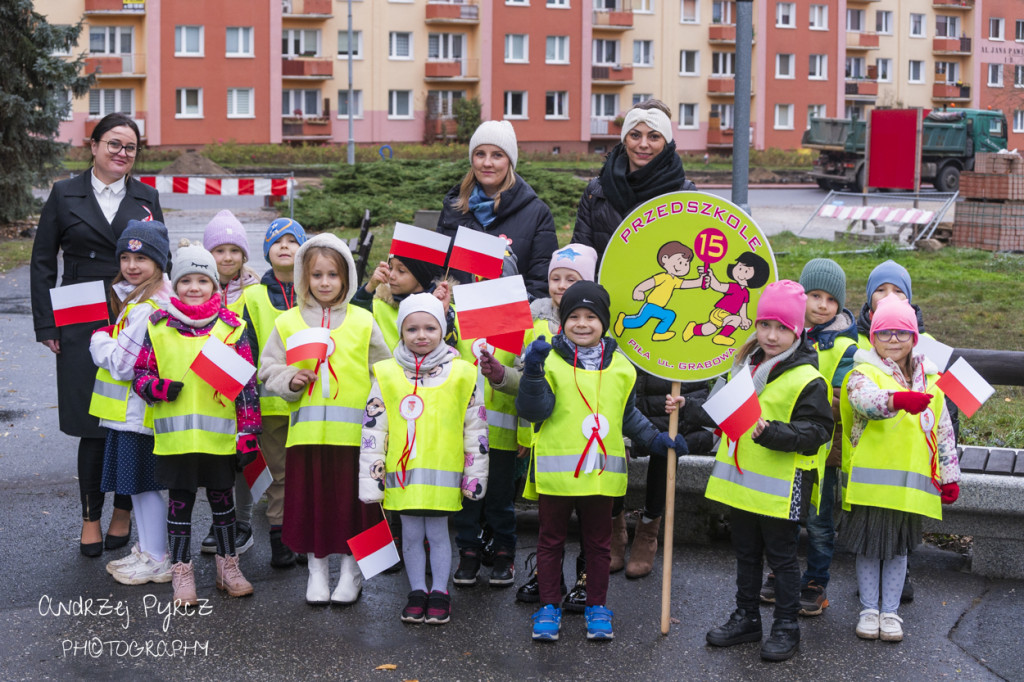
[965, 387]
[512, 341]
[86, 302]
[478, 253]
[735, 407]
[308, 344]
[257, 475]
[374, 550]
[497, 306]
[220, 366]
[420, 244]
[936, 351]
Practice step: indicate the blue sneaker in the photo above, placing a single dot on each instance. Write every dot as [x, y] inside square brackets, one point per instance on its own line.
[546, 623]
[599, 622]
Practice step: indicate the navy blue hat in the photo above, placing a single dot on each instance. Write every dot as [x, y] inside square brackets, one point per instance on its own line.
[148, 238]
[280, 228]
[890, 272]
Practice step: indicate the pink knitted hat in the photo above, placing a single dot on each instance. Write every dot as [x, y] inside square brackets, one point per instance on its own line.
[783, 301]
[578, 257]
[225, 228]
[892, 312]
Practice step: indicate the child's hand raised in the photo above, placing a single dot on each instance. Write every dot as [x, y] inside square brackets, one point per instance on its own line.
[302, 379]
[381, 274]
[493, 370]
[443, 293]
[759, 427]
[674, 403]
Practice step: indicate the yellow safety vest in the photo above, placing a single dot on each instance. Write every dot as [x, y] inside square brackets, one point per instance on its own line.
[891, 467]
[337, 419]
[561, 440]
[200, 419]
[502, 420]
[263, 315]
[110, 396]
[433, 479]
[828, 363]
[386, 317]
[765, 485]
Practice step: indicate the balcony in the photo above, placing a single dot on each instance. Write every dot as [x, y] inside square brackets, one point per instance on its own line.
[90, 126]
[621, 74]
[951, 92]
[307, 9]
[294, 129]
[855, 42]
[451, 70]
[605, 128]
[947, 5]
[721, 86]
[722, 34]
[618, 19]
[116, 66]
[955, 46]
[861, 90]
[719, 139]
[307, 68]
[440, 128]
[441, 12]
[115, 7]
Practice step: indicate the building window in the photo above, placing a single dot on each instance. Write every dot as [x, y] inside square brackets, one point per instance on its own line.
[819, 18]
[996, 27]
[113, 101]
[65, 51]
[445, 46]
[643, 53]
[916, 73]
[783, 116]
[1018, 121]
[688, 117]
[399, 103]
[855, 111]
[818, 67]
[856, 67]
[689, 63]
[723, 64]
[356, 51]
[556, 104]
[1020, 30]
[238, 41]
[785, 15]
[947, 72]
[188, 41]
[643, 7]
[721, 12]
[995, 75]
[784, 66]
[917, 26]
[305, 103]
[815, 111]
[357, 104]
[300, 43]
[884, 67]
[1018, 76]
[561, 4]
[947, 27]
[240, 103]
[604, 105]
[517, 2]
[399, 45]
[689, 11]
[724, 112]
[557, 50]
[441, 103]
[883, 22]
[515, 104]
[110, 40]
[606, 52]
[517, 48]
[641, 96]
[854, 21]
[188, 103]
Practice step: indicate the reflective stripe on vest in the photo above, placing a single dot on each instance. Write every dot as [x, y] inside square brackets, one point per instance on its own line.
[501, 420]
[114, 389]
[894, 477]
[431, 477]
[560, 464]
[386, 317]
[110, 396]
[263, 315]
[765, 486]
[336, 419]
[188, 422]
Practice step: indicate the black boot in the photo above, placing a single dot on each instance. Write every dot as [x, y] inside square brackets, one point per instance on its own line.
[782, 644]
[469, 566]
[576, 600]
[743, 626]
[529, 593]
[209, 545]
[280, 554]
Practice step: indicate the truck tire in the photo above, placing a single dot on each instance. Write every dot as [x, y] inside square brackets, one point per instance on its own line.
[858, 183]
[824, 184]
[948, 179]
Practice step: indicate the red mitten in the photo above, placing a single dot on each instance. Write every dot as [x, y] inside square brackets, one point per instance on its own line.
[913, 402]
[950, 493]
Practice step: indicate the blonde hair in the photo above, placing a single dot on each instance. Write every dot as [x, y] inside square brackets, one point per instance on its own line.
[746, 350]
[339, 262]
[143, 292]
[466, 188]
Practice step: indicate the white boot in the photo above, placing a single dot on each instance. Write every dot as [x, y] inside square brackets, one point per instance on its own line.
[350, 582]
[318, 588]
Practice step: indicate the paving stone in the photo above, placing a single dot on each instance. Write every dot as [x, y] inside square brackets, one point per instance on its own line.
[973, 459]
[1000, 461]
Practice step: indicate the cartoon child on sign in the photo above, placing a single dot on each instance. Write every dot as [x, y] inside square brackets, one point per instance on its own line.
[675, 258]
[750, 271]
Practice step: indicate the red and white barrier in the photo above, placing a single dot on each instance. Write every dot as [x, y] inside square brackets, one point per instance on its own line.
[169, 184]
[882, 214]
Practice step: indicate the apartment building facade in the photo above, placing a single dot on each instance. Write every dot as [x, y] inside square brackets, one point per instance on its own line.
[563, 71]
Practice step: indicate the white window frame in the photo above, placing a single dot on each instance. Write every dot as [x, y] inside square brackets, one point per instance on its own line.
[244, 38]
[724, 8]
[181, 41]
[921, 21]
[1018, 76]
[116, 96]
[724, 59]
[817, 19]
[726, 115]
[113, 39]
[601, 42]
[816, 111]
[604, 98]
[689, 116]
[786, 111]
[561, 100]
[445, 107]
[997, 71]
[180, 103]
[785, 66]
[920, 71]
[860, 22]
[288, 97]
[821, 73]
[883, 22]
[451, 47]
[951, 26]
[885, 77]
[854, 110]
[357, 97]
[696, 63]
[641, 96]
[1019, 31]
[856, 68]
[510, 48]
[643, 6]
[1018, 121]
[518, 3]
[783, 11]
[561, 50]
[509, 98]
[557, 4]
[393, 53]
[997, 28]
[357, 38]
[233, 101]
[949, 72]
[639, 56]
[695, 18]
[288, 37]
[393, 100]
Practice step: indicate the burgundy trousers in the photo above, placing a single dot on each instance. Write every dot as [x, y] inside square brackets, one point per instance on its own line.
[595, 514]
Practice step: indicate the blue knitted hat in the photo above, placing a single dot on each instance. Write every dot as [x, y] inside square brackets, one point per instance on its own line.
[280, 228]
[890, 272]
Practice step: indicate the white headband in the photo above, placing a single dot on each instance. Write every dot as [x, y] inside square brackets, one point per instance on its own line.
[654, 118]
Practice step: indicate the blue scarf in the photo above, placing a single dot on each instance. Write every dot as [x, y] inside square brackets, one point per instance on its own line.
[482, 206]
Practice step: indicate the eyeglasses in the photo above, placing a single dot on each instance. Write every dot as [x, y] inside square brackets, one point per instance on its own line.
[901, 335]
[115, 147]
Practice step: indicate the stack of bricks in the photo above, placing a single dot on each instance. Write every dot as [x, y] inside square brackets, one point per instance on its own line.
[992, 215]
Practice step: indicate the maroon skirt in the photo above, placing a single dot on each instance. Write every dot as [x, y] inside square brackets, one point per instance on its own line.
[322, 510]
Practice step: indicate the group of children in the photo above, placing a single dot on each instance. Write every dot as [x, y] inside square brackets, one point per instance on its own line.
[403, 416]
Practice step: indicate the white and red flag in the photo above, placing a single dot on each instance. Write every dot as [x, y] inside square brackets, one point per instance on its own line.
[934, 350]
[309, 344]
[374, 550]
[257, 475]
[220, 366]
[965, 387]
[419, 244]
[478, 253]
[735, 407]
[76, 303]
[493, 309]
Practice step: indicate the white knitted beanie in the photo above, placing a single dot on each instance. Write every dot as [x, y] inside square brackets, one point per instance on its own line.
[499, 133]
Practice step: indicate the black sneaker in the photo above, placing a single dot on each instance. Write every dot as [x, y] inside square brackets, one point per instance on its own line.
[529, 593]
[576, 600]
[416, 608]
[742, 626]
[469, 566]
[281, 556]
[504, 572]
[209, 545]
[439, 608]
[812, 599]
[243, 537]
[782, 644]
[768, 589]
[488, 548]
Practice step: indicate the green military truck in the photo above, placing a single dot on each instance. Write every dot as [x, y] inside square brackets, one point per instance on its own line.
[950, 141]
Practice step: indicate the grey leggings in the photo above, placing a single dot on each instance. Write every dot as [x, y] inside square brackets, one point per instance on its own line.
[890, 572]
[435, 530]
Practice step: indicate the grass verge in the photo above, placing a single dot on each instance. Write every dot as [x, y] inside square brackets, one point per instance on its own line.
[14, 252]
